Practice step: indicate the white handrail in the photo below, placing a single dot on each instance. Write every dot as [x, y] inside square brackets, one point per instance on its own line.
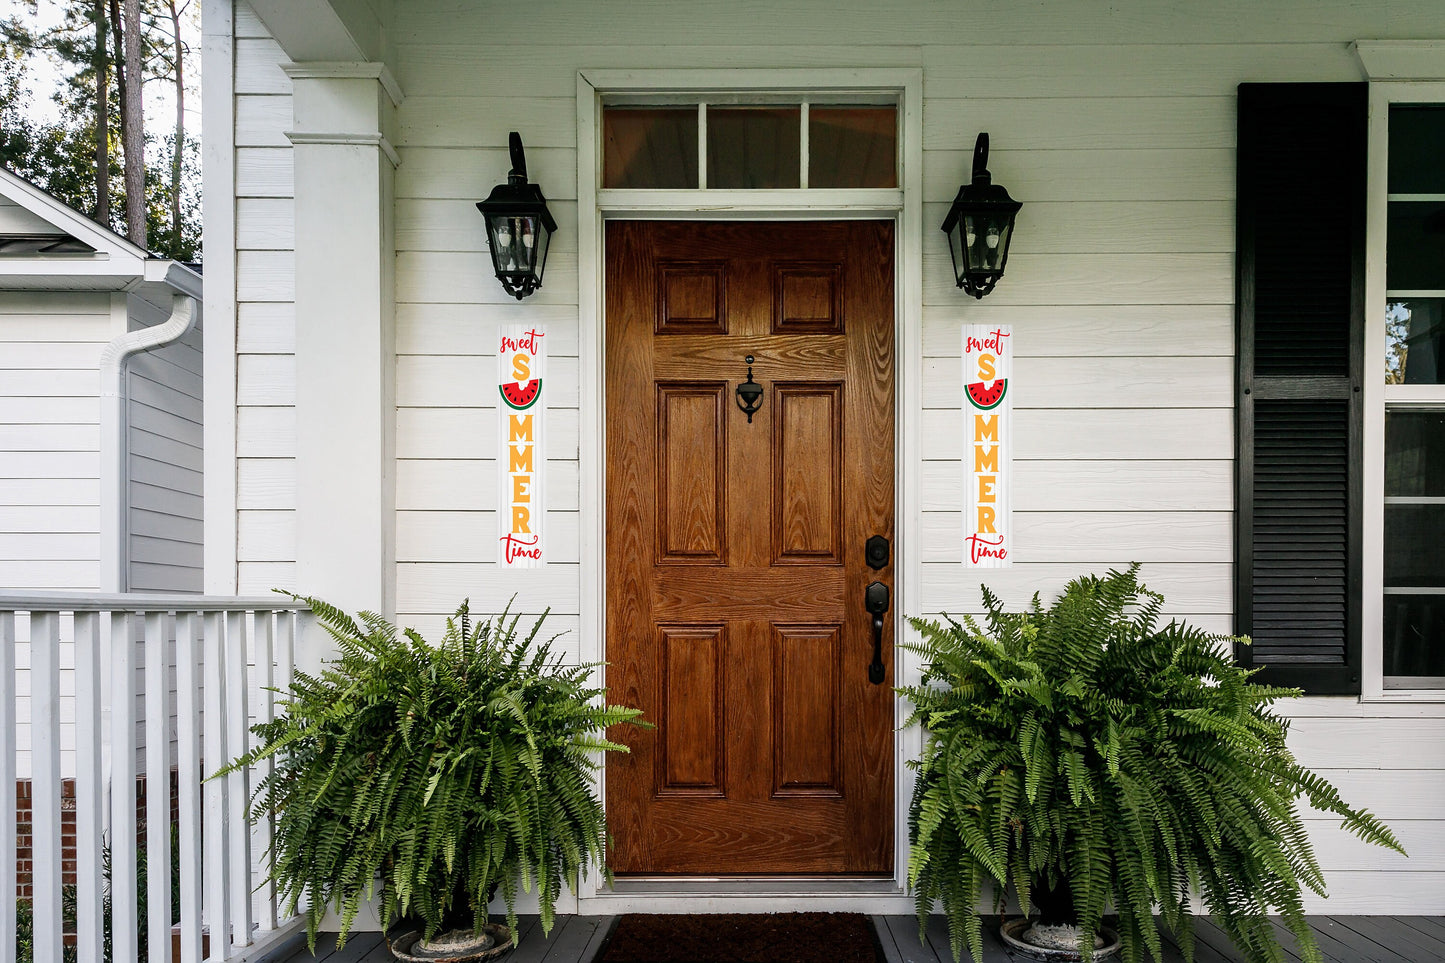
[218, 649]
[143, 601]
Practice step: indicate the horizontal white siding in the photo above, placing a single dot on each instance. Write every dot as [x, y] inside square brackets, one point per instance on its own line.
[50, 344]
[1115, 126]
[163, 452]
[265, 313]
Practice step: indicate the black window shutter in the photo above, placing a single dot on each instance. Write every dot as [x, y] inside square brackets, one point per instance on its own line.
[1299, 313]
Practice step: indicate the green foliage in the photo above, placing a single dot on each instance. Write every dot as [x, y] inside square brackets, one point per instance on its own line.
[436, 774]
[1086, 745]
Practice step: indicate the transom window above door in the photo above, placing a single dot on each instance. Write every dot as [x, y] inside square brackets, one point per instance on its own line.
[749, 146]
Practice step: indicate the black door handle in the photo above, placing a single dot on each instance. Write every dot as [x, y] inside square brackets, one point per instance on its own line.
[875, 600]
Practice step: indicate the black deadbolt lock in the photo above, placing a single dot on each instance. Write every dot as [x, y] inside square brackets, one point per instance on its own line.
[875, 552]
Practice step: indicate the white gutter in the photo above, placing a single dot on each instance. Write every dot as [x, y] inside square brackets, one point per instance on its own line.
[113, 523]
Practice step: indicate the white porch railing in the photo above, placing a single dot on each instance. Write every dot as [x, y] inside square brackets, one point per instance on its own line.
[183, 677]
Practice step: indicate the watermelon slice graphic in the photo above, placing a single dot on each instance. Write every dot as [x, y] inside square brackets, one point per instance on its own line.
[521, 396]
[985, 394]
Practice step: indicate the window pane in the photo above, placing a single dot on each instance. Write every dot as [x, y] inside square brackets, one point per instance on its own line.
[753, 147]
[1413, 536]
[1415, 342]
[852, 147]
[1415, 246]
[1417, 142]
[1415, 453]
[653, 147]
[1415, 637]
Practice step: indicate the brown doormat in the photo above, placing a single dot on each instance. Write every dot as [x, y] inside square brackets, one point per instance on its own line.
[742, 938]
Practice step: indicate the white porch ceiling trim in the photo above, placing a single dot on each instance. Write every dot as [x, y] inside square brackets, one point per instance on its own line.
[327, 30]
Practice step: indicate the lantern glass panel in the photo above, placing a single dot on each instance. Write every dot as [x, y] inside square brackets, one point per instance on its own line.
[519, 243]
[985, 240]
[955, 248]
[542, 238]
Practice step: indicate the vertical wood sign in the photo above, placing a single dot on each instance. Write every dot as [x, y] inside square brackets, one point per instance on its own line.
[988, 444]
[521, 363]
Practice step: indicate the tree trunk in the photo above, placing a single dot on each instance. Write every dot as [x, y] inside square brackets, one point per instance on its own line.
[178, 151]
[102, 119]
[118, 45]
[133, 133]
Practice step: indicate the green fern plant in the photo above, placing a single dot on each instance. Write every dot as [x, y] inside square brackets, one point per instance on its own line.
[437, 774]
[1084, 748]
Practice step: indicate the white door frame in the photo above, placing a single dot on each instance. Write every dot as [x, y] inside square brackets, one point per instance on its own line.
[905, 207]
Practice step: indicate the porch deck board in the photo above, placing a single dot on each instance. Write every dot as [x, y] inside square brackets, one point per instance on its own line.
[360, 946]
[1433, 925]
[1342, 939]
[1366, 947]
[1407, 942]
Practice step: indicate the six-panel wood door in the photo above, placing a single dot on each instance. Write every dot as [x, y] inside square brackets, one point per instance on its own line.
[735, 550]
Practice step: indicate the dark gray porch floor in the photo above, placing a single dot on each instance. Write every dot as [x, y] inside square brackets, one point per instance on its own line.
[1342, 939]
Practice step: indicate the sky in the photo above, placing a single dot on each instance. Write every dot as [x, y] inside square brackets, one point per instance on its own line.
[45, 76]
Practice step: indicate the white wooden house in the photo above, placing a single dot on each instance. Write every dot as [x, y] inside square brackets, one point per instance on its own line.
[1230, 236]
[352, 436]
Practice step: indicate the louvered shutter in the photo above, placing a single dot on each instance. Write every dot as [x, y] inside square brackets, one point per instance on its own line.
[1300, 277]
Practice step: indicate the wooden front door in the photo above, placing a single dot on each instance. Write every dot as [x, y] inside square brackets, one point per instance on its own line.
[736, 570]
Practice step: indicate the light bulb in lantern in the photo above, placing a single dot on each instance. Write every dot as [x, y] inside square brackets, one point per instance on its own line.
[991, 239]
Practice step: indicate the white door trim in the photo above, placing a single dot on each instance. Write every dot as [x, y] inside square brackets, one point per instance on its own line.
[905, 207]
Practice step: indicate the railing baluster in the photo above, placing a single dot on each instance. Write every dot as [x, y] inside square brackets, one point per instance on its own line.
[188, 778]
[158, 786]
[7, 780]
[265, 710]
[214, 727]
[45, 782]
[122, 787]
[238, 792]
[89, 788]
[286, 650]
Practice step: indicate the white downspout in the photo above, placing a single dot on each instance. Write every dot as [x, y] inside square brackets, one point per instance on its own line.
[113, 522]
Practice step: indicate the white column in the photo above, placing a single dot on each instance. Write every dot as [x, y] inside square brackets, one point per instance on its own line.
[345, 342]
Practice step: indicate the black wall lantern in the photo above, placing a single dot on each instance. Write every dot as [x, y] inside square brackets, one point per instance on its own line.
[979, 225]
[519, 227]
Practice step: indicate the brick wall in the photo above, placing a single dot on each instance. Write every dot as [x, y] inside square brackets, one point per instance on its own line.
[24, 859]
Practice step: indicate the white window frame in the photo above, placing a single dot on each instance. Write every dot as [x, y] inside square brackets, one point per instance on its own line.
[1384, 63]
[904, 206]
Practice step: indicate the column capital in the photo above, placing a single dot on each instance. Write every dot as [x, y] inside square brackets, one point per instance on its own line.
[347, 70]
[343, 102]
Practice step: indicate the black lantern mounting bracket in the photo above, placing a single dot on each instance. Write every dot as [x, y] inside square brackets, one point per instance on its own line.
[517, 176]
[750, 393]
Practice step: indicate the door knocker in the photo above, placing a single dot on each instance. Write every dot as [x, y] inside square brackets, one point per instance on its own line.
[750, 393]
